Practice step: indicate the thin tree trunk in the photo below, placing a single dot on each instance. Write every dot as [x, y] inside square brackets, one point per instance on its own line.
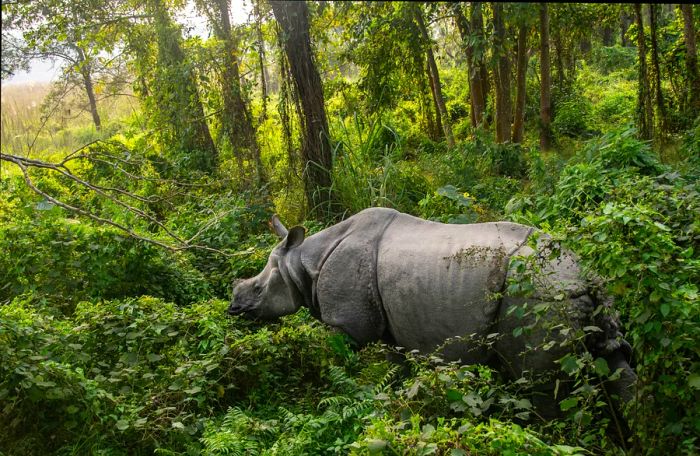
[477, 23]
[261, 56]
[608, 39]
[625, 22]
[86, 73]
[504, 110]
[691, 57]
[519, 123]
[559, 57]
[545, 82]
[293, 18]
[658, 94]
[441, 109]
[478, 104]
[644, 108]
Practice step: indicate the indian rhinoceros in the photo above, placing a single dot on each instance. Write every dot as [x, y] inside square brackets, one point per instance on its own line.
[382, 275]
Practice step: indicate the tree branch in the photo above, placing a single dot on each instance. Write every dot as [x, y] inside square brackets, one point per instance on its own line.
[25, 163]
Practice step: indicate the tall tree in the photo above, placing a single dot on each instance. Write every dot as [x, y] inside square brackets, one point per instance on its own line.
[61, 31]
[504, 107]
[645, 113]
[173, 100]
[658, 94]
[236, 120]
[523, 56]
[438, 98]
[477, 23]
[691, 58]
[293, 18]
[260, 43]
[473, 44]
[545, 81]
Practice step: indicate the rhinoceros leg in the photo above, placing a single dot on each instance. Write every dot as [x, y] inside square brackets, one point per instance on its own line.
[347, 293]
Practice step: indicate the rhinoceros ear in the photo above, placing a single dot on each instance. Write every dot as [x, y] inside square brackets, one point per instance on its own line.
[295, 237]
[277, 227]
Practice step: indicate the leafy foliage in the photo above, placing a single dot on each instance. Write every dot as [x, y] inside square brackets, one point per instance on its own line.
[634, 221]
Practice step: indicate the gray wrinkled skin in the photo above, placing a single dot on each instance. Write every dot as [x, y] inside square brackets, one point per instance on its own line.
[386, 276]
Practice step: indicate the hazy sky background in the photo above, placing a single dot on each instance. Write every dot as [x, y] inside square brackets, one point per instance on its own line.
[195, 24]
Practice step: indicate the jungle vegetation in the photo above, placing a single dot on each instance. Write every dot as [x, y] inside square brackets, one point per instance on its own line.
[136, 187]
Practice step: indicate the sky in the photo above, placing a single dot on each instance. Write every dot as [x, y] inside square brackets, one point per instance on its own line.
[45, 71]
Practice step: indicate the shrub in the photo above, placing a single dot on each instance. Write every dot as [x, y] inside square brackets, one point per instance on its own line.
[634, 222]
[65, 261]
[135, 375]
[573, 117]
[608, 59]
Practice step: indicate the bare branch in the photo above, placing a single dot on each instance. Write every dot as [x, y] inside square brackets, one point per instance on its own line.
[25, 163]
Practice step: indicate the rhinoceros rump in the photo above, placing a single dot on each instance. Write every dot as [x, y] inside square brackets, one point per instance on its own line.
[386, 276]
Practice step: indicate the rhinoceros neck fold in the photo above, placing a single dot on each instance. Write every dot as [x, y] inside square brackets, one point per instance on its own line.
[298, 280]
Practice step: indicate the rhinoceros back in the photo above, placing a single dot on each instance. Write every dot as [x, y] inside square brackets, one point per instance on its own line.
[437, 281]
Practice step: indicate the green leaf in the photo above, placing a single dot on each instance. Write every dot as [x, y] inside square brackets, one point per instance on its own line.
[694, 381]
[178, 425]
[568, 403]
[601, 367]
[661, 226]
[665, 309]
[193, 390]
[453, 395]
[570, 364]
[152, 357]
[122, 425]
[374, 445]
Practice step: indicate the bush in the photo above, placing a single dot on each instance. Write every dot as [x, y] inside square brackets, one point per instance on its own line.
[66, 261]
[131, 376]
[608, 59]
[634, 222]
[573, 117]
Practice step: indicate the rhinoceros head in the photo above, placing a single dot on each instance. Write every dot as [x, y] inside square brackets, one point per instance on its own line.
[269, 295]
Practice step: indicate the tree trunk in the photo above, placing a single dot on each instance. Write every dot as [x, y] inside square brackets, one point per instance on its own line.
[261, 56]
[478, 103]
[644, 108]
[293, 18]
[608, 39]
[658, 94]
[236, 121]
[559, 58]
[85, 70]
[504, 109]
[584, 46]
[545, 82]
[439, 100]
[625, 22]
[691, 58]
[477, 23]
[180, 101]
[519, 123]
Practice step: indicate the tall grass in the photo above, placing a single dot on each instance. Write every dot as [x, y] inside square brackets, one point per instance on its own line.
[31, 124]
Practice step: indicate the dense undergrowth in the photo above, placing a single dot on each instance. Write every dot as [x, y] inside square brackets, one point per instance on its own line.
[110, 344]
